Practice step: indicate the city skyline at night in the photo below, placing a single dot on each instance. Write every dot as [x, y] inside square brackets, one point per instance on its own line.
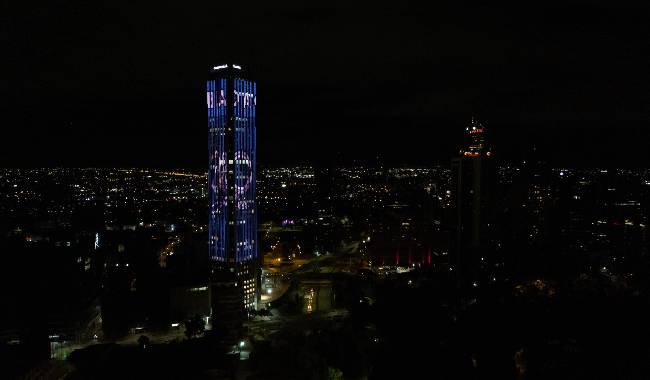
[436, 190]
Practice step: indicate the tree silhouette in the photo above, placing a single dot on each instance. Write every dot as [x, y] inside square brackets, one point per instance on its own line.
[144, 341]
[194, 326]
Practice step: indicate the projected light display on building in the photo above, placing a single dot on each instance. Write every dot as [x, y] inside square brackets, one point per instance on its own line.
[232, 228]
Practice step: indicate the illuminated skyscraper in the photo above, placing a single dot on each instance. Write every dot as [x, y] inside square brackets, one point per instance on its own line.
[473, 183]
[232, 227]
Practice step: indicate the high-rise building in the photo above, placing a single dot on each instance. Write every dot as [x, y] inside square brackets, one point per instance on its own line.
[473, 179]
[232, 227]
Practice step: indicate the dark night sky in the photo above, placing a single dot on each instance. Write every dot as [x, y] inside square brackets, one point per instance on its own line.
[122, 83]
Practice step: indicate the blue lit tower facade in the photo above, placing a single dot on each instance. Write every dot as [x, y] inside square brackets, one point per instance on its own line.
[232, 226]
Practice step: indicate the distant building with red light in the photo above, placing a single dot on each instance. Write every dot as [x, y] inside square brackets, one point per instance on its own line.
[473, 176]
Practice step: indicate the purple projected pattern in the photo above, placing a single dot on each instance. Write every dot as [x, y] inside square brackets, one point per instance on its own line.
[232, 148]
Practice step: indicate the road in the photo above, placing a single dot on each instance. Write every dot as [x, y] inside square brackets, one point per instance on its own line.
[265, 327]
